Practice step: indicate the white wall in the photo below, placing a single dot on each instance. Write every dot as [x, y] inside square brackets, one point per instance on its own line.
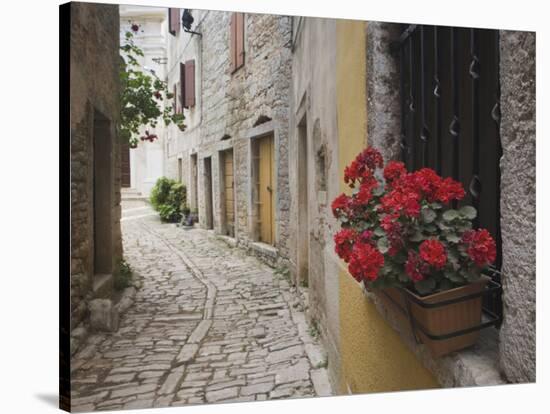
[147, 160]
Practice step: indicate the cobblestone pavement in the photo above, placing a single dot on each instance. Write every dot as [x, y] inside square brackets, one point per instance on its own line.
[209, 324]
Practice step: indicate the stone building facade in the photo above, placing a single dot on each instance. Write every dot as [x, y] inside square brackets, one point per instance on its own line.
[146, 162]
[96, 244]
[239, 104]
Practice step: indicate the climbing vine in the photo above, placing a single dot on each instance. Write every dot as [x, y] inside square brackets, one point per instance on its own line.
[144, 98]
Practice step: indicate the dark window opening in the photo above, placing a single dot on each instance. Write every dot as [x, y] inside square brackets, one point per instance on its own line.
[450, 115]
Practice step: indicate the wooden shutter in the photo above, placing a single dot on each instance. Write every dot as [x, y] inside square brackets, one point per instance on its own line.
[239, 47]
[189, 84]
[182, 84]
[232, 41]
[174, 21]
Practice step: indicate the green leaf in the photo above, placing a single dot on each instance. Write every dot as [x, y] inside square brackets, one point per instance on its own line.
[428, 215]
[417, 237]
[445, 284]
[469, 212]
[430, 228]
[382, 245]
[425, 286]
[453, 276]
[450, 215]
[471, 274]
[379, 231]
[378, 191]
[452, 238]
[403, 277]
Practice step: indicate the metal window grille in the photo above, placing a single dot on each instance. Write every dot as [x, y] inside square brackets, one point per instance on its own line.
[450, 115]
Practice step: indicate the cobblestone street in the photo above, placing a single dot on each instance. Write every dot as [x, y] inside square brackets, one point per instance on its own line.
[208, 324]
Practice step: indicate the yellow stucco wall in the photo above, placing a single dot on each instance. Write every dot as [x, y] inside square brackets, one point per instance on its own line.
[373, 357]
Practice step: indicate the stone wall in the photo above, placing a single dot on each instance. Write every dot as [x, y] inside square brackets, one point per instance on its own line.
[94, 86]
[229, 106]
[313, 121]
[517, 204]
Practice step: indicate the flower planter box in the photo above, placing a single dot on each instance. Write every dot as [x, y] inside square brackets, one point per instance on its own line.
[446, 321]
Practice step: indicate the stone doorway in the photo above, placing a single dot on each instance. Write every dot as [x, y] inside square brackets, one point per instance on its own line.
[209, 214]
[228, 186]
[102, 196]
[266, 192]
[303, 207]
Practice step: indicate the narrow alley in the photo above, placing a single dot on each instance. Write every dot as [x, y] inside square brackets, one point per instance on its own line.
[208, 324]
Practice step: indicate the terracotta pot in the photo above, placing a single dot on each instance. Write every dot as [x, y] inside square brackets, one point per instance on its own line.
[444, 319]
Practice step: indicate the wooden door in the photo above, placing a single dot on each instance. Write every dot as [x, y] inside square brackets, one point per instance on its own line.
[229, 192]
[208, 193]
[266, 190]
[125, 164]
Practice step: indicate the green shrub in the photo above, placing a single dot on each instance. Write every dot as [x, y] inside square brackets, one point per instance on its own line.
[170, 213]
[160, 192]
[169, 198]
[123, 275]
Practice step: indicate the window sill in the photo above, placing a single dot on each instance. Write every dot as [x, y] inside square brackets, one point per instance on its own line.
[474, 366]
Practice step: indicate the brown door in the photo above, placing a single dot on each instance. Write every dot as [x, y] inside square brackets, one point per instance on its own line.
[125, 164]
[266, 192]
[229, 192]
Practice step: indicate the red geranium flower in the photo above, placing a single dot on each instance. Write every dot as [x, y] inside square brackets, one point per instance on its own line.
[363, 166]
[344, 240]
[365, 261]
[340, 205]
[427, 182]
[393, 171]
[415, 268]
[449, 190]
[433, 252]
[480, 246]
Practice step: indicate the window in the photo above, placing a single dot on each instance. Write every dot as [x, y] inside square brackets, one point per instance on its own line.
[174, 21]
[237, 41]
[450, 117]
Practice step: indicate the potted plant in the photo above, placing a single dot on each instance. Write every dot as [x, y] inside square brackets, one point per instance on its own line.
[401, 237]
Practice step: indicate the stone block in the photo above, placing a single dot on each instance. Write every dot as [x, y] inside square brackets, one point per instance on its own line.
[103, 315]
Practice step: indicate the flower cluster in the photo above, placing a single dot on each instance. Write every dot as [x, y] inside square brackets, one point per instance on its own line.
[403, 231]
[148, 137]
[480, 246]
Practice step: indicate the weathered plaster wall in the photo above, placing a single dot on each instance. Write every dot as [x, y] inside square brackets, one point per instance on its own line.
[313, 103]
[94, 88]
[374, 357]
[517, 203]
